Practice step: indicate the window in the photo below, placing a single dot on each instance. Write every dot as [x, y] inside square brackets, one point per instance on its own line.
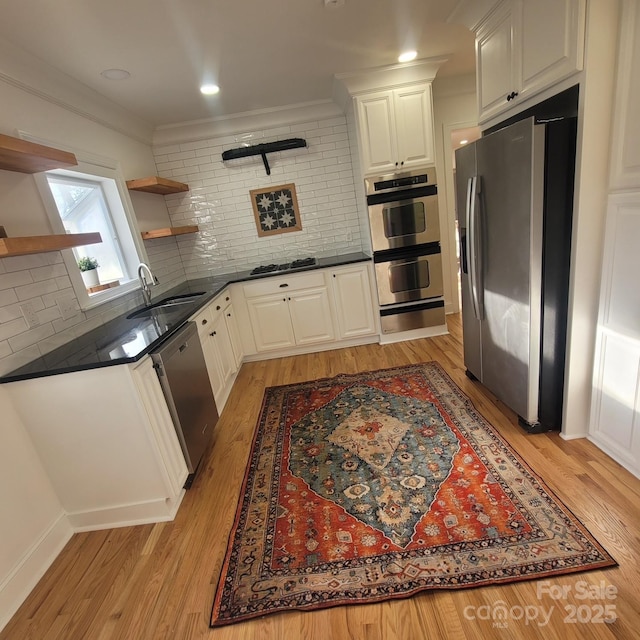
[83, 208]
[93, 197]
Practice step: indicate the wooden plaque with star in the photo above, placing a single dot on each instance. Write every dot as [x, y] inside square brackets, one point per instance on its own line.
[276, 209]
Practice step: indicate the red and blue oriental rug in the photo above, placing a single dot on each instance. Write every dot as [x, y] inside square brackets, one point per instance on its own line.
[379, 485]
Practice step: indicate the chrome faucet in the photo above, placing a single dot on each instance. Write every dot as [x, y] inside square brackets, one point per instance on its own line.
[146, 284]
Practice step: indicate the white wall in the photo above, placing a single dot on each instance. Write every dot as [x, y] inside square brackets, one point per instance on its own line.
[454, 107]
[33, 526]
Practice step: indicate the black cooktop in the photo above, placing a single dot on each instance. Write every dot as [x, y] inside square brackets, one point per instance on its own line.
[296, 264]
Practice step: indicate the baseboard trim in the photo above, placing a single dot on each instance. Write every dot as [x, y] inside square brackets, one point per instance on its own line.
[126, 515]
[313, 348]
[15, 588]
[614, 452]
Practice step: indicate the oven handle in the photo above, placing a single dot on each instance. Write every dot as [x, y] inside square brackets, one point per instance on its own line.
[472, 245]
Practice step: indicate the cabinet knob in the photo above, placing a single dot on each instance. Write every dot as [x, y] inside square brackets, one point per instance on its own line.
[228, 315]
[204, 321]
[402, 163]
[227, 299]
[218, 307]
[512, 96]
[283, 285]
[213, 333]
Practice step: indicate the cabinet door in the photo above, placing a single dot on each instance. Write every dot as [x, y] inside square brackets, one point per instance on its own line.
[352, 295]
[498, 59]
[311, 316]
[150, 393]
[552, 42]
[615, 398]
[271, 322]
[234, 335]
[414, 125]
[212, 361]
[377, 132]
[223, 352]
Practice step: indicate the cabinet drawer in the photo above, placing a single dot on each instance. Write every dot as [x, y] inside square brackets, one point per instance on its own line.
[280, 284]
[209, 314]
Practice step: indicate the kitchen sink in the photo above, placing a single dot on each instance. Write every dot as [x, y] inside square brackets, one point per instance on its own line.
[172, 301]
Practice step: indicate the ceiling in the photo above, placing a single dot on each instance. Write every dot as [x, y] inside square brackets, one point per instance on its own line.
[263, 54]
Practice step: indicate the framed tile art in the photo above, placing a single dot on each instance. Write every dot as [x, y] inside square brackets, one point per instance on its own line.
[276, 209]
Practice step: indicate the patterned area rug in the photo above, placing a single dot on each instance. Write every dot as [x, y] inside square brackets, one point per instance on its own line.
[379, 485]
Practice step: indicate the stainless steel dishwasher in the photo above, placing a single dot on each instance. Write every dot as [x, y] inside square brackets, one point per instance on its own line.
[182, 371]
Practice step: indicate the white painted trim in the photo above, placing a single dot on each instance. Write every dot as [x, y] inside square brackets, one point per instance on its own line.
[244, 122]
[574, 436]
[315, 348]
[31, 75]
[470, 14]
[616, 453]
[162, 510]
[392, 77]
[15, 588]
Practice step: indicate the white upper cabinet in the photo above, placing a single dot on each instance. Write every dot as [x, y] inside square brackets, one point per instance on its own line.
[625, 151]
[396, 128]
[524, 47]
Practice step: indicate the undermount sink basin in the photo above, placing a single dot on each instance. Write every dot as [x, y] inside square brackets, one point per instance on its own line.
[172, 301]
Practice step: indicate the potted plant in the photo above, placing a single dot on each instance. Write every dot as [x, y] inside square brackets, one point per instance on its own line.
[89, 271]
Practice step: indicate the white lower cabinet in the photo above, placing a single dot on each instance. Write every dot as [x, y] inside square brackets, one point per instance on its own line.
[271, 322]
[296, 318]
[317, 309]
[107, 442]
[218, 333]
[352, 301]
[311, 316]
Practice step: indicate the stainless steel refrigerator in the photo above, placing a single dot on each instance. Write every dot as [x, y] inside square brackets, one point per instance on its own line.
[514, 191]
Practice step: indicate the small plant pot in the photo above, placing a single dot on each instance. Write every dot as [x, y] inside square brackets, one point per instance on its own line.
[90, 278]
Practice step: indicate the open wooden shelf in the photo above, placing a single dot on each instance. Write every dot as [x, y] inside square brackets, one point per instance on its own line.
[169, 231]
[154, 184]
[42, 244]
[29, 157]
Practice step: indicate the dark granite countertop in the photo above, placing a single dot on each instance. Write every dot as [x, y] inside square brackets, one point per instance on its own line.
[127, 339]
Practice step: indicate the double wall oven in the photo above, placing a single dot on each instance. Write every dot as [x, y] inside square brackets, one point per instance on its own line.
[405, 237]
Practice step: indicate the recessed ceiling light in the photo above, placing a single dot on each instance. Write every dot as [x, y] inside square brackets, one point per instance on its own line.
[463, 141]
[331, 4]
[115, 74]
[209, 89]
[407, 56]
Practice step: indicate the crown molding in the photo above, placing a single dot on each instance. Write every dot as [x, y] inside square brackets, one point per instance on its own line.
[31, 75]
[380, 78]
[245, 122]
[471, 13]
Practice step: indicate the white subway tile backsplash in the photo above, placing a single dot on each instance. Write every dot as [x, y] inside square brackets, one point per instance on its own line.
[31, 337]
[219, 202]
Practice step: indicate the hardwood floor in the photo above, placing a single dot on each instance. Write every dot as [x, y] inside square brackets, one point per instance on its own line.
[158, 581]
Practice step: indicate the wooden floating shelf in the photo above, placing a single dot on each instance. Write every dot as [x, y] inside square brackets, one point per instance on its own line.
[42, 244]
[29, 157]
[169, 231]
[154, 184]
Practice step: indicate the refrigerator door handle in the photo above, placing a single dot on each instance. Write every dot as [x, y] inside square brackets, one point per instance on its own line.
[472, 244]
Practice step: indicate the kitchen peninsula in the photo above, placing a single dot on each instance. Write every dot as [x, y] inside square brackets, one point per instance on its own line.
[101, 425]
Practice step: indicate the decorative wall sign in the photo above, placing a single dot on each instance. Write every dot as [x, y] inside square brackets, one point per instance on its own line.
[276, 209]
